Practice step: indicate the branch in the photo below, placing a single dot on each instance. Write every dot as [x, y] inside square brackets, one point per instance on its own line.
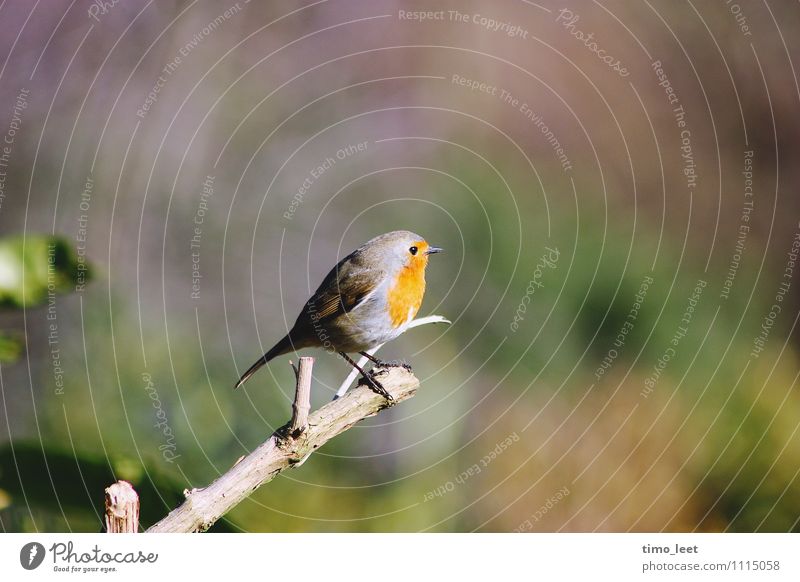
[282, 451]
[302, 396]
[122, 508]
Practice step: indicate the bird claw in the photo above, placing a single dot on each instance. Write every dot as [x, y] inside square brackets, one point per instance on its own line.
[393, 364]
[377, 387]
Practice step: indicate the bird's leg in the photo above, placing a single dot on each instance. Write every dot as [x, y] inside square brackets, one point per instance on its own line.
[383, 363]
[374, 385]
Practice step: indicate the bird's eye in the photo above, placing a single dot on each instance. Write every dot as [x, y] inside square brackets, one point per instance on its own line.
[413, 250]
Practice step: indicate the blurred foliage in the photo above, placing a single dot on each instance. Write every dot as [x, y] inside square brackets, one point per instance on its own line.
[34, 269]
[664, 469]
[33, 266]
[64, 488]
[11, 347]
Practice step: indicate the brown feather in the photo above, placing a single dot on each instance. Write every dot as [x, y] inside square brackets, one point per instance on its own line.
[342, 289]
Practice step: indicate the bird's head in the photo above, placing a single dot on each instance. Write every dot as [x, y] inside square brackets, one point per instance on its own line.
[400, 249]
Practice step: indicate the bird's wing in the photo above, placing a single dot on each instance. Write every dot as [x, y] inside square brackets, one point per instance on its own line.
[345, 287]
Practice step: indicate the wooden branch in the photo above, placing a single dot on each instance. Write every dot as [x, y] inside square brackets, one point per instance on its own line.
[205, 506]
[122, 508]
[302, 397]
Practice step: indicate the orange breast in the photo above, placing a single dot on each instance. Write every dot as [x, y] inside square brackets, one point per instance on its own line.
[405, 296]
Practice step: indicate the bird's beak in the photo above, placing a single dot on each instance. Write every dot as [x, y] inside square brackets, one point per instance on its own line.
[433, 250]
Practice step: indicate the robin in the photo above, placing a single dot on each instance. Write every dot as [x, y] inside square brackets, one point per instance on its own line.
[367, 299]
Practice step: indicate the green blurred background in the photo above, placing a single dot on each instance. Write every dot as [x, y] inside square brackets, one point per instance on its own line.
[163, 219]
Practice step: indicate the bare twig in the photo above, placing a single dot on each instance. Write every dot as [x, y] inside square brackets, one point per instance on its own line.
[302, 397]
[205, 506]
[122, 508]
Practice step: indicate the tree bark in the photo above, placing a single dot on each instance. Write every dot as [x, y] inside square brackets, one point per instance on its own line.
[302, 397]
[122, 508]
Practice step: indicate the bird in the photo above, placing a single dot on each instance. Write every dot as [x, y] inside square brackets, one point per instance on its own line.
[369, 298]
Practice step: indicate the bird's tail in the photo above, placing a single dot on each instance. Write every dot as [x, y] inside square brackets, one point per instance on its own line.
[282, 347]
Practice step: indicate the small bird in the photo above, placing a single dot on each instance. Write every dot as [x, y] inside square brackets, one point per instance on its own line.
[367, 299]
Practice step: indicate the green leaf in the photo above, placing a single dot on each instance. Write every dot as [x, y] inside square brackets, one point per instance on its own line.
[34, 268]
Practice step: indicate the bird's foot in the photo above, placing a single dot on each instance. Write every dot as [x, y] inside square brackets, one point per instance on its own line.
[391, 364]
[376, 386]
[378, 363]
